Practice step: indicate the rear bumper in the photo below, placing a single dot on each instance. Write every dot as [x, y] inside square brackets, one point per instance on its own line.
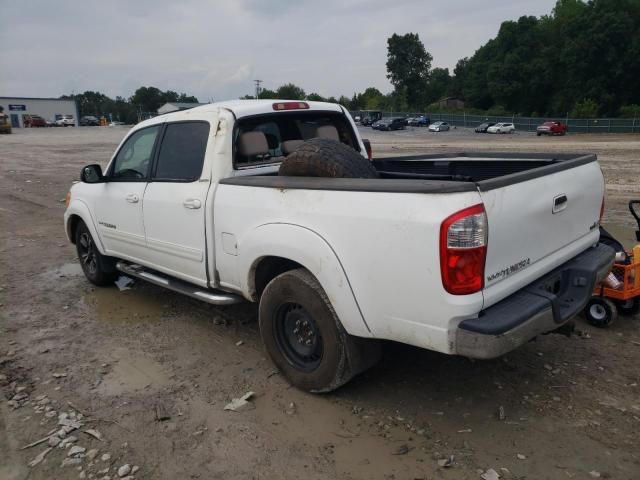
[540, 307]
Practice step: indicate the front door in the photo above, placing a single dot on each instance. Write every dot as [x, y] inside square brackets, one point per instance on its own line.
[119, 208]
[175, 203]
[15, 120]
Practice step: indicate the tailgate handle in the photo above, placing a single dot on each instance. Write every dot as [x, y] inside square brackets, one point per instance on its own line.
[559, 203]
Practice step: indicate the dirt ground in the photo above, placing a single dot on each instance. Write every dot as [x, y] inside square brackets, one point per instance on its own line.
[109, 361]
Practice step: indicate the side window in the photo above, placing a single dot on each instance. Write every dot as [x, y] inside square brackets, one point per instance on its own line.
[134, 158]
[182, 151]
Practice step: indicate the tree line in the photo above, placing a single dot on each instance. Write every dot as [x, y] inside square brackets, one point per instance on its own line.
[144, 102]
[582, 59]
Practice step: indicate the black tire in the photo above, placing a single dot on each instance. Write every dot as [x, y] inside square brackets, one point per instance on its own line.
[601, 312]
[99, 269]
[321, 157]
[304, 337]
[628, 307]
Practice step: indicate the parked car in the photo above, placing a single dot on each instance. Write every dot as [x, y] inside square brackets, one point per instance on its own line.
[313, 250]
[552, 128]
[420, 121]
[439, 127]
[483, 127]
[502, 128]
[89, 121]
[391, 123]
[33, 121]
[369, 117]
[66, 121]
[51, 123]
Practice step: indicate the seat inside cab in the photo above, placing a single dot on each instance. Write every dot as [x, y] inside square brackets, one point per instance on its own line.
[268, 138]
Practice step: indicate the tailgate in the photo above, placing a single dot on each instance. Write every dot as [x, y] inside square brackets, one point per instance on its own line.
[538, 223]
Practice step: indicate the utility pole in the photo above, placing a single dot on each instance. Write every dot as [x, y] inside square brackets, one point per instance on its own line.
[258, 82]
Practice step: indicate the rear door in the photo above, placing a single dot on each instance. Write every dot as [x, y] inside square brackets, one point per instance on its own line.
[174, 202]
[535, 225]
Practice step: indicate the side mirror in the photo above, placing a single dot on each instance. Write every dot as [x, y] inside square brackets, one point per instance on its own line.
[91, 174]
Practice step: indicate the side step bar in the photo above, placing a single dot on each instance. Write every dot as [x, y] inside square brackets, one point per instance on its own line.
[215, 297]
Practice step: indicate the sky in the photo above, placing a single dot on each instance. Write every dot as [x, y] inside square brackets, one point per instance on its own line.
[214, 49]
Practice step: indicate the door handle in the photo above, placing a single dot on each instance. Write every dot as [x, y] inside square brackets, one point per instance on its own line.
[559, 203]
[133, 198]
[192, 203]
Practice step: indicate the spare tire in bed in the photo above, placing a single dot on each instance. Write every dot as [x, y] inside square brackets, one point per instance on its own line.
[321, 157]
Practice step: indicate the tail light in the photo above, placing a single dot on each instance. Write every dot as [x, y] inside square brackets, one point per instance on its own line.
[463, 250]
[291, 106]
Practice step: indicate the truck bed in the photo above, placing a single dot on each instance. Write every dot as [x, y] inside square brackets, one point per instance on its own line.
[439, 173]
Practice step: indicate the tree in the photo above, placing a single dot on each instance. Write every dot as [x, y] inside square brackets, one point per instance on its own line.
[550, 64]
[149, 99]
[585, 108]
[290, 91]
[184, 98]
[630, 111]
[314, 97]
[344, 101]
[438, 85]
[371, 99]
[266, 93]
[408, 66]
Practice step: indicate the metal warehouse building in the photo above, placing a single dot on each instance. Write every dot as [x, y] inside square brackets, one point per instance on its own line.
[47, 108]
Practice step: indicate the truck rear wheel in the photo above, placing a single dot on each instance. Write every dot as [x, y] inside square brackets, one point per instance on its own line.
[322, 157]
[99, 269]
[304, 338]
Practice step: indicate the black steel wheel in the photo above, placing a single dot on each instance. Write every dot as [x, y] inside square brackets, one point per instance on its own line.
[298, 336]
[304, 337]
[601, 312]
[99, 269]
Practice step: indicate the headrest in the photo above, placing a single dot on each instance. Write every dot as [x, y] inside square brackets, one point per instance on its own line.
[328, 131]
[289, 146]
[253, 143]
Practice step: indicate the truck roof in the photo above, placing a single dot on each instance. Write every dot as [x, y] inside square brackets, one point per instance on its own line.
[240, 108]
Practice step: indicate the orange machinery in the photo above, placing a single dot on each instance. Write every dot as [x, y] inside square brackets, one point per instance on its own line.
[620, 291]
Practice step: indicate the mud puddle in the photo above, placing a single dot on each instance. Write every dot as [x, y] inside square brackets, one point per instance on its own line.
[67, 270]
[131, 373]
[140, 304]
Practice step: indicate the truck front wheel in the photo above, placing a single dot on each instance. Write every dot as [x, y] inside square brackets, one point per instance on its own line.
[99, 269]
[304, 337]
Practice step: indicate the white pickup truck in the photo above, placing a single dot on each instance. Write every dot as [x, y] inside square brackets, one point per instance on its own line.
[278, 202]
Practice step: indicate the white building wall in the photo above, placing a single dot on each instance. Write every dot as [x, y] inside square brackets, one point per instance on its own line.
[48, 108]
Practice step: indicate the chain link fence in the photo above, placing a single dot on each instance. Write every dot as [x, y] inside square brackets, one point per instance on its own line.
[576, 125]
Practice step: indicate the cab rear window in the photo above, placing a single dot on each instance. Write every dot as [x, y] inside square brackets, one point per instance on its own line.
[266, 139]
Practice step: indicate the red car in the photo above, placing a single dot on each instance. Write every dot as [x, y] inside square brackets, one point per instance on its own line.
[33, 121]
[552, 128]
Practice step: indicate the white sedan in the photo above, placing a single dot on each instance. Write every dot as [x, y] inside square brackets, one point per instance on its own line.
[502, 128]
[439, 127]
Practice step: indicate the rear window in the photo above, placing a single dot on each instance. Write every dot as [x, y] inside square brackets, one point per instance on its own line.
[182, 152]
[266, 139]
